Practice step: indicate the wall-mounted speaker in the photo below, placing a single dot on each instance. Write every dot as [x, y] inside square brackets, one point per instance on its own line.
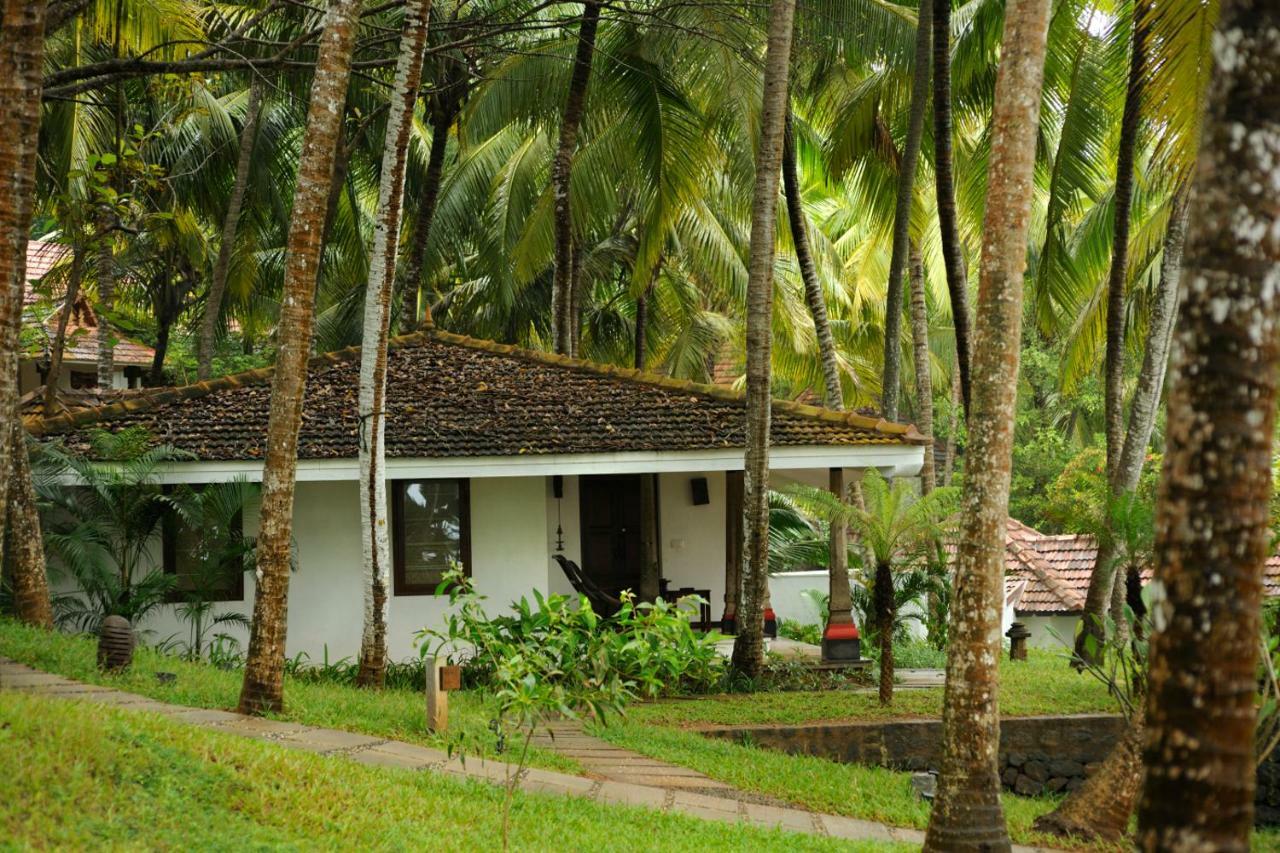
[701, 497]
[557, 486]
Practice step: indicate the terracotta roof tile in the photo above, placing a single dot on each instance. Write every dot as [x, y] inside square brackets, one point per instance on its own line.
[1057, 569]
[450, 396]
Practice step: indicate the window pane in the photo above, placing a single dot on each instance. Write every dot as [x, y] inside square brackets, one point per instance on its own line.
[431, 528]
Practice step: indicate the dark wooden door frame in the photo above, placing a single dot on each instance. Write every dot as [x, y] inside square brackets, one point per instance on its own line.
[631, 482]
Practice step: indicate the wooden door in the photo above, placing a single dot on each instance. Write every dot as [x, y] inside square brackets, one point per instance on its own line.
[612, 546]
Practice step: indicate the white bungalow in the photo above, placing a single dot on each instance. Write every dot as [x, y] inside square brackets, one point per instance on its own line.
[498, 458]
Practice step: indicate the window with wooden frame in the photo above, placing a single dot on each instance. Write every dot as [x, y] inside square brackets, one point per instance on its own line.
[430, 532]
[180, 552]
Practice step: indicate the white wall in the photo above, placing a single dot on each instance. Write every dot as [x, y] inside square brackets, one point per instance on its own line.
[787, 591]
[692, 537]
[1042, 630]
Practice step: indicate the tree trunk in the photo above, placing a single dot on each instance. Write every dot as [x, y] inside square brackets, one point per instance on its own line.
[642, 329]
[884, 606]
[561, 172]
[1119, 276]
[59, 346]
[1142, 420]
[164, 323]
[22, 58]
[1212, 533]
[26, 544]
[924, 377]
[748, 647]
[106, 303]
[264, 665]
[834, 397]
[902, 215]
[944, 182]
[1101, 808]
[221, 266]
[949, 448]
[441, 123]
[966, 812]
[373, 352]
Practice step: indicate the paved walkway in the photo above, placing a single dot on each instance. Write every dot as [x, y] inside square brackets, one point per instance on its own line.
[642, 782]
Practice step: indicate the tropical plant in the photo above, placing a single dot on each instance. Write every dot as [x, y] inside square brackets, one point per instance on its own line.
[555, 657]
[220, 551]
[102, 530]
[895, 532]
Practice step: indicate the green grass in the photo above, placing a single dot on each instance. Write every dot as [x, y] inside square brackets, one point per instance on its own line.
[79, 776]
[1043, 684]
[395, 714]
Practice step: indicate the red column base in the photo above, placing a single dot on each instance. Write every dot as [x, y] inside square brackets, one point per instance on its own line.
[729, 623]
[770, 624]
[841, 643]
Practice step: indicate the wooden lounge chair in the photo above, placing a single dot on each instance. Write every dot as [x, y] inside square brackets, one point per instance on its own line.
[601, 602]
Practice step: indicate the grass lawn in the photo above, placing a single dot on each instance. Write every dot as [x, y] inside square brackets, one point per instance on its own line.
[396, 714]
[1043, 684]
[80, 776]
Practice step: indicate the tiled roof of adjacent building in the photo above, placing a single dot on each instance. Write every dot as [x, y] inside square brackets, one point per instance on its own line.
[82, 330]
[1057, 569]
[451, 396]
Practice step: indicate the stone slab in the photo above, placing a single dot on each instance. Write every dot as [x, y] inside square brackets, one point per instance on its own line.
[549, 782]
[704, 801]
[793, 819]
[631, 795]
[838, 826]
[329, 740]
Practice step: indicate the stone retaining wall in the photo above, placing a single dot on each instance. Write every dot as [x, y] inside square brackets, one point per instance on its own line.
[1037, 754]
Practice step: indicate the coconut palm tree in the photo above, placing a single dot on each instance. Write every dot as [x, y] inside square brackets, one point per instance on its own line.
[1212, 535]
[26, 543]
[748, 646]
[373, 352]
[902, 212]
[263, 688]
[22, 57]
[966, 813]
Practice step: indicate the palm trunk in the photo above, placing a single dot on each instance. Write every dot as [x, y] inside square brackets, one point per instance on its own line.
[561, 172]
[884, 606]
[944, 182]
[808, 271]
[748, 647]
[1118, 278]
[902, 215]
[22, 58]
[949, 447]
[441, 123]
[966, 812]
[26, 545]
[924, 378]
[641, 344]
[733, 537]
[1142, 420]
[221, 266]
[106, 302]
[373, 353]
[264, 665]
[59, 346]
[839, 633]
[1101, 808]
[164, 324]
[1212, 525]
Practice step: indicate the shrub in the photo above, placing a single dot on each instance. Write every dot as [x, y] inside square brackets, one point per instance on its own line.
[800, 631]
[645, 650]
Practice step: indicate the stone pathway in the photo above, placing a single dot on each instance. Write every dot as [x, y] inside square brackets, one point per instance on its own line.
[627, 778]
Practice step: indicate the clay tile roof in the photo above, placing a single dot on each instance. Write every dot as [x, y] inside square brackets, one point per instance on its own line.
[42, 256]
[82, 331]
[1057, 569]
[451, 396]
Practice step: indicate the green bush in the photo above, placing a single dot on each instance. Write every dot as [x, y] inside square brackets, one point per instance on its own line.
[560, 645]
[800, 631]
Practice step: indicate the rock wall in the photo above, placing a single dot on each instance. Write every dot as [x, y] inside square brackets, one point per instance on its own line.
[1037, 754]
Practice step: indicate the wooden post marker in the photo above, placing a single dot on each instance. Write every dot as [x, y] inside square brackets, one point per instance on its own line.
[441, 678]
